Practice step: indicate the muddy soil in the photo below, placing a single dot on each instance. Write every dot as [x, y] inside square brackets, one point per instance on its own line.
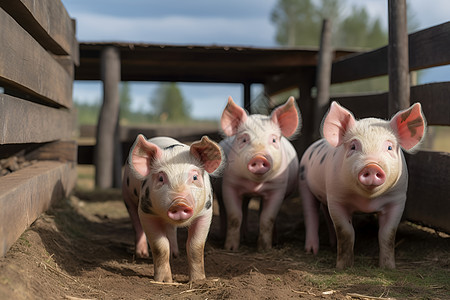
[83, 249]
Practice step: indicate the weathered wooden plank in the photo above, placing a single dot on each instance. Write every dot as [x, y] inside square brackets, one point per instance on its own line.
[365, 106]
[48, 22]
[427, 48]
[28, 192]
[26, 66]
[429, 189]
[430, 47]
[26, 122]
[360, 66]
[63, 151]
[434, 98]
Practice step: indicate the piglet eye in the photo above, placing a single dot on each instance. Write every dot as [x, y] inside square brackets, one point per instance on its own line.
[161, 177]
[389, 146]
[195, 177]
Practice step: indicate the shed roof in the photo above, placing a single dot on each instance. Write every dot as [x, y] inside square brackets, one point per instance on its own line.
[194, 63]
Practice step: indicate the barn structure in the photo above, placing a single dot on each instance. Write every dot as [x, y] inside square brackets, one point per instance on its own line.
[40, 62]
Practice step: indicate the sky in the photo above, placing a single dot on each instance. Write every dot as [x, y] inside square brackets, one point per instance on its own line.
[207, 22]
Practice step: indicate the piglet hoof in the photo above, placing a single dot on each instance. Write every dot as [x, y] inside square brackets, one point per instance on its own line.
[197, 276]
[311, 248]
[387, 263]
[344, 264]
[142, 250]
[163, 277]
[142, 254]
[264, 246]
[231, 246]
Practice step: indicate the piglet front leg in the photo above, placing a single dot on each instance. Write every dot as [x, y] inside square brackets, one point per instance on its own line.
[270, 207]
[195, 245]
[160, 246]
[345, 234]
[388, 220]
[233, 206]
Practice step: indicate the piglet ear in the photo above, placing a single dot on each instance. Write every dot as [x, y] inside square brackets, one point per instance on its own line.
[233, 115]
[142, 154]
[410, 126]
[287, 116]
[336, 123]
[209, 153]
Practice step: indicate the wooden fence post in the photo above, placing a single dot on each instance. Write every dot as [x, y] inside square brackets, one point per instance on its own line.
[306, 105]
[247, 97]
[108, 118]
[323, 76]
[398, 60]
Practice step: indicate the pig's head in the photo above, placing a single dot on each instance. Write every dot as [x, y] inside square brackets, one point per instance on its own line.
[257, 149]
[372, 158]
[175, 180]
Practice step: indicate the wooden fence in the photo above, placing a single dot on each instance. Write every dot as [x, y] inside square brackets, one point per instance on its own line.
[37, 58]
[429, 172]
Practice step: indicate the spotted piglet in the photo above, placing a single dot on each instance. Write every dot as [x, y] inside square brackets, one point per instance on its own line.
[261, 162]
[358, 167]
[166, 185]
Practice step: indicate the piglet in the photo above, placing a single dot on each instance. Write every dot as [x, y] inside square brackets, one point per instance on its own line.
[358, 167]
[166, 185]
[261, 162]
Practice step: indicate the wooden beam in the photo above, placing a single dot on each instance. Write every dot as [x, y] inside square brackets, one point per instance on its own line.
[26, 122]
[398, 60]
[108, 118]
[62, 151]
[28, 67]
[366, 106]
[27, 193]
[434, 98]
[48, 22]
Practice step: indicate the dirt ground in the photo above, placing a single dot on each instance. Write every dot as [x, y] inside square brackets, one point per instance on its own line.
[83, 249]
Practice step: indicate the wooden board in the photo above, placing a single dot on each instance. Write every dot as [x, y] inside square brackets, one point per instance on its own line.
[364, 106]
[28, 67]
[430, 47]
[48, 22]
[427, 48]
[63, 151]
[434, 98]
[27, 193]
[429, 189]
[26, 122]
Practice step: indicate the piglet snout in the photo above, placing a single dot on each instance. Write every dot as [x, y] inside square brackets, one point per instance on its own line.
[258, 165]
[180, 211]
[372, 175]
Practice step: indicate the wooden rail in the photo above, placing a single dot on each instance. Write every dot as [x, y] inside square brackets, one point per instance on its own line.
[37, 58]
